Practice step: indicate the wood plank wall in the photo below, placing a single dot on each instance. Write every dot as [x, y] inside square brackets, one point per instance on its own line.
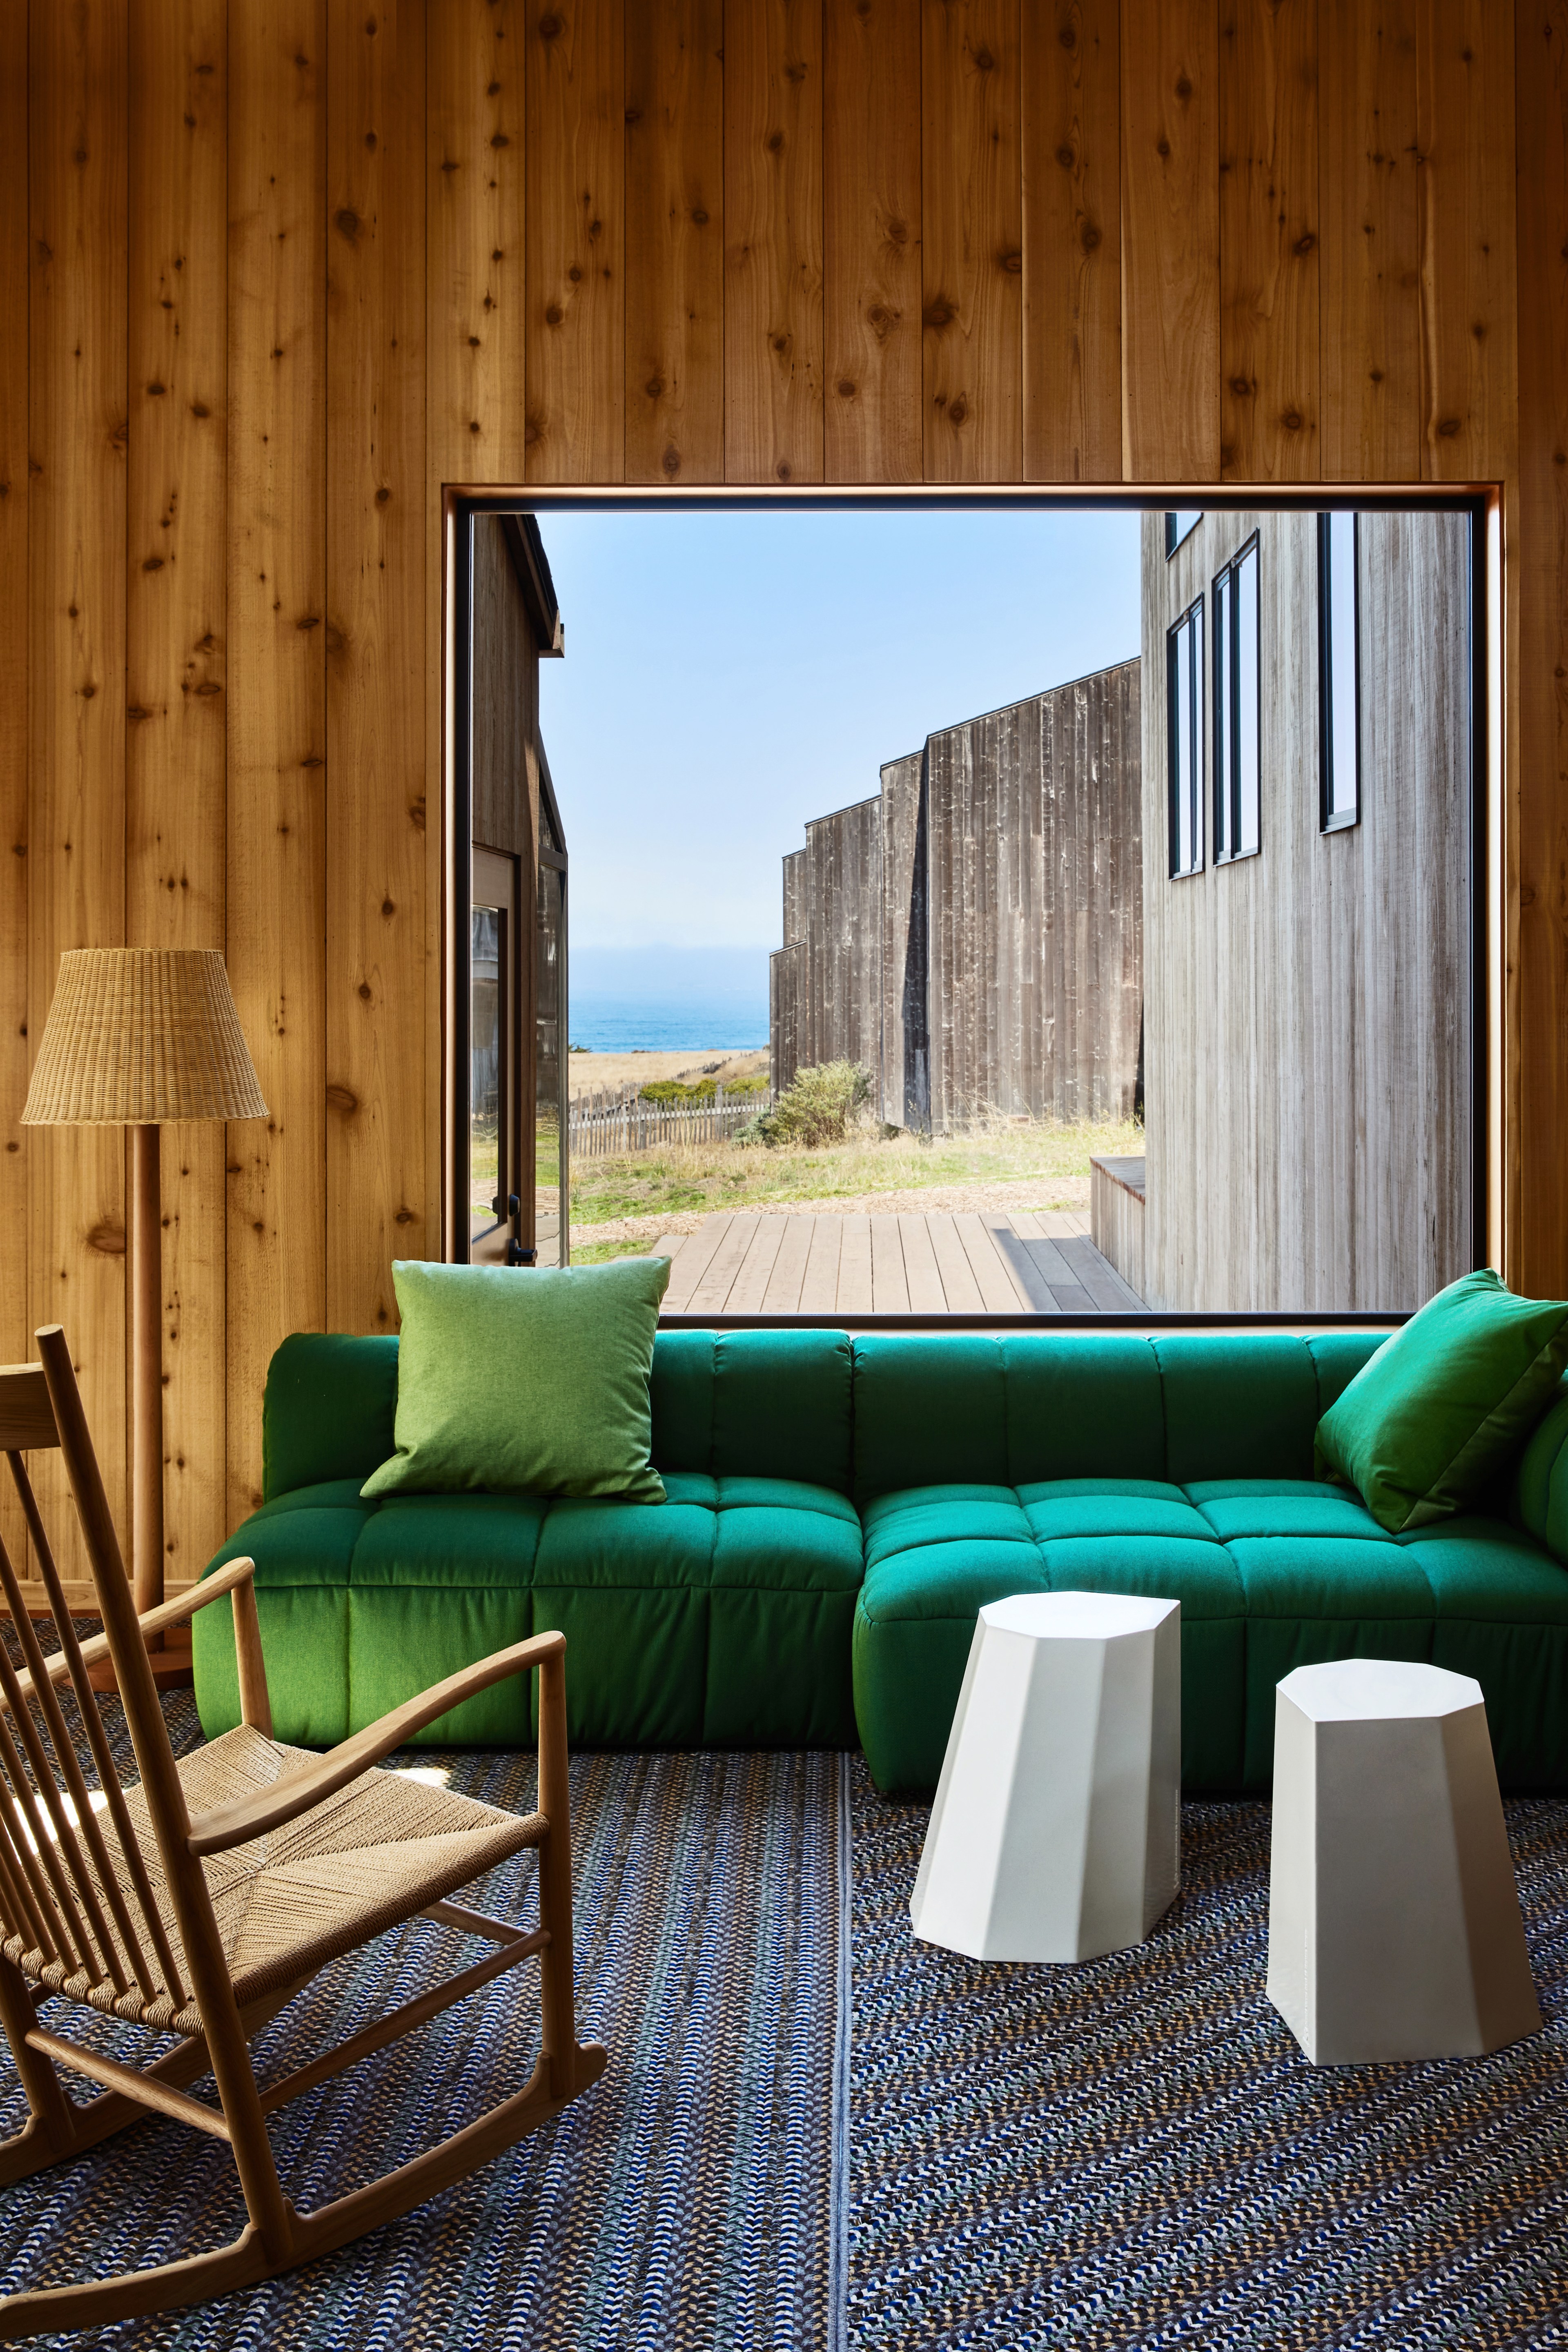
[973, 935]
[840, 1013]
[787, 994]
[1034, 917]
[1130, 240]
[505, 780]
[1307, 1067]
[906, 1036]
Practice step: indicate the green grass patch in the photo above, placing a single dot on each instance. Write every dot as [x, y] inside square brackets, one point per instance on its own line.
[727, 1177]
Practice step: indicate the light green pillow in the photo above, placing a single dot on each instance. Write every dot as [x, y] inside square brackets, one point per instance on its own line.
[525, 1380]
[1434, 1417]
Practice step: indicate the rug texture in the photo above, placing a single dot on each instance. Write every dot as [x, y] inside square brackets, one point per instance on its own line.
[685, 2200]
[1135, 2152]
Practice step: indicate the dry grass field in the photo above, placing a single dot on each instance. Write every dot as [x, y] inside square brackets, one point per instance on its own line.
[589, 1072]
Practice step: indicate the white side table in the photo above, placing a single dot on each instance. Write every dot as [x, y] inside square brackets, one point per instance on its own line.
[1056, 1834]
[1394, 1922]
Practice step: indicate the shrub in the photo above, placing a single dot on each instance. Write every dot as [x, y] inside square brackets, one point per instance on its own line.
[671, 1090]
[816, 1107]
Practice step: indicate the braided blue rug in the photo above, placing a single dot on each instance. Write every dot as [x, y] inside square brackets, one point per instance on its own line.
[685, 2200]
[1135, 2153]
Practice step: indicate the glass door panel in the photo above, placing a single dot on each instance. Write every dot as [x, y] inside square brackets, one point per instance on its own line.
[551, 1137]
[494, 1079]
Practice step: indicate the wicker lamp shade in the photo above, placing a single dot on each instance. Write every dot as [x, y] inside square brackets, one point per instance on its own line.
[141, 1037]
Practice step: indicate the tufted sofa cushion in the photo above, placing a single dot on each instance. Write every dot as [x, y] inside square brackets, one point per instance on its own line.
[719, 1618]
[1272, 1573]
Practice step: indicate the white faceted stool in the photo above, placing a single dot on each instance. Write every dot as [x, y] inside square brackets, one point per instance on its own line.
[1394, 1922]
[1056, 1833]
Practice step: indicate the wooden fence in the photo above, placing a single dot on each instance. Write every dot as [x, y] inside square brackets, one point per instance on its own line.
[604, 1124]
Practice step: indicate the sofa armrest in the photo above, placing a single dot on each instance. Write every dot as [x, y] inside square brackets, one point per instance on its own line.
[329, 1409]
[1541, 1483]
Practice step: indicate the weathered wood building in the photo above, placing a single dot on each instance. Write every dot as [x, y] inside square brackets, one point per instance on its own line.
[972, 934]
[1308, 1074]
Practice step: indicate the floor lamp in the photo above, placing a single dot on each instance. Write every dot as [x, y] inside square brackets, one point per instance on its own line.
[144, 1038]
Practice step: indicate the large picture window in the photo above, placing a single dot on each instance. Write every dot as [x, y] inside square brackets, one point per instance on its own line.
[1184, 698]
[972, 873]
[1338, 672]
[1237, 719]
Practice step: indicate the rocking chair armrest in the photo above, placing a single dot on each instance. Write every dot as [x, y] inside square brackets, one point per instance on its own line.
[168, 1613]
[232, 1825]
[211, 1588]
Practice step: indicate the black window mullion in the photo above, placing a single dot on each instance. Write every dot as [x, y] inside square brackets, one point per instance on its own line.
[1233, 614]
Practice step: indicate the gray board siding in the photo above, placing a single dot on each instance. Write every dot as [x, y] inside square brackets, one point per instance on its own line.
[974, 934]
[506, 705]
[1036, 879]
[843, 892]
[905, 1044]
[793, 897]
[786, 979]
[785, 989]
[1307, 1053]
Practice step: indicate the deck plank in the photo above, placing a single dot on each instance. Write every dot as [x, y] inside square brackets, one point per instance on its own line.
[711, 1294]
[1072, 1298]
[960, 1290]
[750, 1285]
[920, 1271]
[1100, 1279]
[1048, 1261]
[1020, 1263]
[819, 1291]
[889, 1283]
[782, 1294]
[855, 1293]
[1056, 1224]
[999, 1293]
[1039, 1262]
[697, 1255]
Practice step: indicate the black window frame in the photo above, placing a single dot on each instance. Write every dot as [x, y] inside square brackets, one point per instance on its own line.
[1224, 658]
[1192, 620]
[462, 503]
[1330, 819]
[1177, 534]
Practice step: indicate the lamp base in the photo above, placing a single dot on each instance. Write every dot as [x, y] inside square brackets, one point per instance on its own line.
[172, 1666]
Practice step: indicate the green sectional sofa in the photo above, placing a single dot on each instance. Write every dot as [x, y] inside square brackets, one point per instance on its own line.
[837, 1511]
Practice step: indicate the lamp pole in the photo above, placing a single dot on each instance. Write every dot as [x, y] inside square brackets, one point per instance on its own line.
[146, 1369]
[143, 1038]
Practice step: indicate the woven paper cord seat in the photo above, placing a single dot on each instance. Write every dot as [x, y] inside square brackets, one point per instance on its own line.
[293, 1900]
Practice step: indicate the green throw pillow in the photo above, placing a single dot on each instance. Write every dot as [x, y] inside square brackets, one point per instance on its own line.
[1433, 1417]
[525, 1380]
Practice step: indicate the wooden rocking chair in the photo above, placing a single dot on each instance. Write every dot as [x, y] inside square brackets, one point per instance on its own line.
[201, 1901]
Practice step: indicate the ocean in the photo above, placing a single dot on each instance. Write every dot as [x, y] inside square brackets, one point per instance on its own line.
[623, 1024]
[664, 999]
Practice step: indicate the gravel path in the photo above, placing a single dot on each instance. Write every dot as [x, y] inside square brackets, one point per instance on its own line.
[944, 1199]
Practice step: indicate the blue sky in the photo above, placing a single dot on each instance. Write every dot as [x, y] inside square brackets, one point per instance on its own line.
[729, 675]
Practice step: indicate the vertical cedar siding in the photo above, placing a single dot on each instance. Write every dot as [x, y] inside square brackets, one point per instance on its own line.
[1088, 262]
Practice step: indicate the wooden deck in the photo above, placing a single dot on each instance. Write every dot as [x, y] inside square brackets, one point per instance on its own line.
[993, 1263]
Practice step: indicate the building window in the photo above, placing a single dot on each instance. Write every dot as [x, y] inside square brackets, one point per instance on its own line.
[1178, 526]
[1185, 698]
[1236, 707]
[1339, 670]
